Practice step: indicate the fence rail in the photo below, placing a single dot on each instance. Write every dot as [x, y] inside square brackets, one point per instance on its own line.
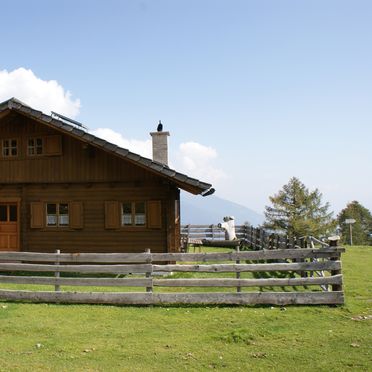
[254, 238]
[142, 270]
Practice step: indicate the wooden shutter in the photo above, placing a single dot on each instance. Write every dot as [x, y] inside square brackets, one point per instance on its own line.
[154, 214]
[37, 215]
[112, 215]
[53, 145]
[76, 215]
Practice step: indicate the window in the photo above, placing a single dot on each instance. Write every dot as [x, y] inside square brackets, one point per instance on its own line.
[69, 215]
[35, 146]
[133, 214]
[57, 215]
[9, 148]
[8, 213]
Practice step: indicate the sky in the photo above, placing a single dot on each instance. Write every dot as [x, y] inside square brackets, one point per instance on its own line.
[253, 92]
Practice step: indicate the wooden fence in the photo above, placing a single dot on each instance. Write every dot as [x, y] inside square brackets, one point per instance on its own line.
[251, 237]
[290, 277]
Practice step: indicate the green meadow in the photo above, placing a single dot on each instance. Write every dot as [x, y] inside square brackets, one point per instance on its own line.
[42, 337]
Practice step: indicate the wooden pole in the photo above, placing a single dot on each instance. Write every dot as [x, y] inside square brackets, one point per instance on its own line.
[333, 242]
[57, 287]
[149, 274]
[238, 288]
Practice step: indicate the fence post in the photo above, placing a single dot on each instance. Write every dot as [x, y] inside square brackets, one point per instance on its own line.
[335, 287]
[263, 239]
[57, 287]
[238, 288]
[245, 232]
[149, 273]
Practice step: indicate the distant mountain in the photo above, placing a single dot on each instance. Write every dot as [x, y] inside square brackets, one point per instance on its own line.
[198, 210]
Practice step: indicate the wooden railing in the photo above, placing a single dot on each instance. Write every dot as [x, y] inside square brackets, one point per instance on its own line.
[147, 270]
[251, 237]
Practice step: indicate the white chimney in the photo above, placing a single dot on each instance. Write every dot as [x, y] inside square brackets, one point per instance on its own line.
[160, 145]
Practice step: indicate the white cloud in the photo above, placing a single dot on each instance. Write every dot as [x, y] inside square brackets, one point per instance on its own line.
[191, 158]
[143, 148]
[44, 95]
[198, 161]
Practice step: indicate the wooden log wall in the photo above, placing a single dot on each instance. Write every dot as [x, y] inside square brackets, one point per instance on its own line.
[142, 270]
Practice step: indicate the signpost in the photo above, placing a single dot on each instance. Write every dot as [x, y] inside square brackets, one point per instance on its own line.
[350, 222]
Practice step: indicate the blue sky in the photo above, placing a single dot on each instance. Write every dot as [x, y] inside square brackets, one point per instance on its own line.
[253, 92]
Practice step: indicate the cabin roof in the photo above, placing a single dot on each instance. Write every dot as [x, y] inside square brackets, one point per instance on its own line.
[179, 179]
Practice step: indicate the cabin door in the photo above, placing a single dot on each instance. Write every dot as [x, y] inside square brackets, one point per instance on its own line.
[9, 226]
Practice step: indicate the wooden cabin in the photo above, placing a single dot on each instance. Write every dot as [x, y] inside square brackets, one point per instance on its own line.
[63, 188]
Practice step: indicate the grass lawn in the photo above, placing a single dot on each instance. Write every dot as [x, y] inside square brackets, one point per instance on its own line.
[111, 338]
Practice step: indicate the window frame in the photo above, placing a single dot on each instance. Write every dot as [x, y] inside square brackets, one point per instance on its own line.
[10, 147]
[57, 215]
[35, 146]
[133, 214]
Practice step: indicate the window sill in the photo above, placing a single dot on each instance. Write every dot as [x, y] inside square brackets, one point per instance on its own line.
[52, 228]
[134, 228]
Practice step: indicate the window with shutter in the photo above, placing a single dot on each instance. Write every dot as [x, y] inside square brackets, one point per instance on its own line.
[37, 215]
[133, 214]
[154, 214]
[112, 215]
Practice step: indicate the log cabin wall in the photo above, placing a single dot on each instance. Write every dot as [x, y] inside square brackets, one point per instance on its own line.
[77, 161]
[93, 183]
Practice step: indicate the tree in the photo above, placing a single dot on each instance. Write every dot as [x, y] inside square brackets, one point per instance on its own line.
[298, 212]
[362, 228]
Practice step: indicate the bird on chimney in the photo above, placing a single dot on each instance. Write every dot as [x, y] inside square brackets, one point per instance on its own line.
[160, 126]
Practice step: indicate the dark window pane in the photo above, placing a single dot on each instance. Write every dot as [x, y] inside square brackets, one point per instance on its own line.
[51, 214]
[14, 143]
[14, 151]
[127, 208]
[13, 213]
[126, 218]
[39, 142]
[63, 209]
[51, 209]
[140, 217]
[3, 213]
[140, 207]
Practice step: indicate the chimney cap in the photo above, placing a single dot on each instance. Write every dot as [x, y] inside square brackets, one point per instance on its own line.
[166, 133]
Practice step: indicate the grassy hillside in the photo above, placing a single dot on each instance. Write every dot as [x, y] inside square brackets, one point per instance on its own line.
[109, 338]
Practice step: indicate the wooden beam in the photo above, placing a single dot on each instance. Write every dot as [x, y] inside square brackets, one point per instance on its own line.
[135, 298]
[251, 298]
[161, 257]
[216, 268]
[94, 269]
[99, 282]
[272, 282]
